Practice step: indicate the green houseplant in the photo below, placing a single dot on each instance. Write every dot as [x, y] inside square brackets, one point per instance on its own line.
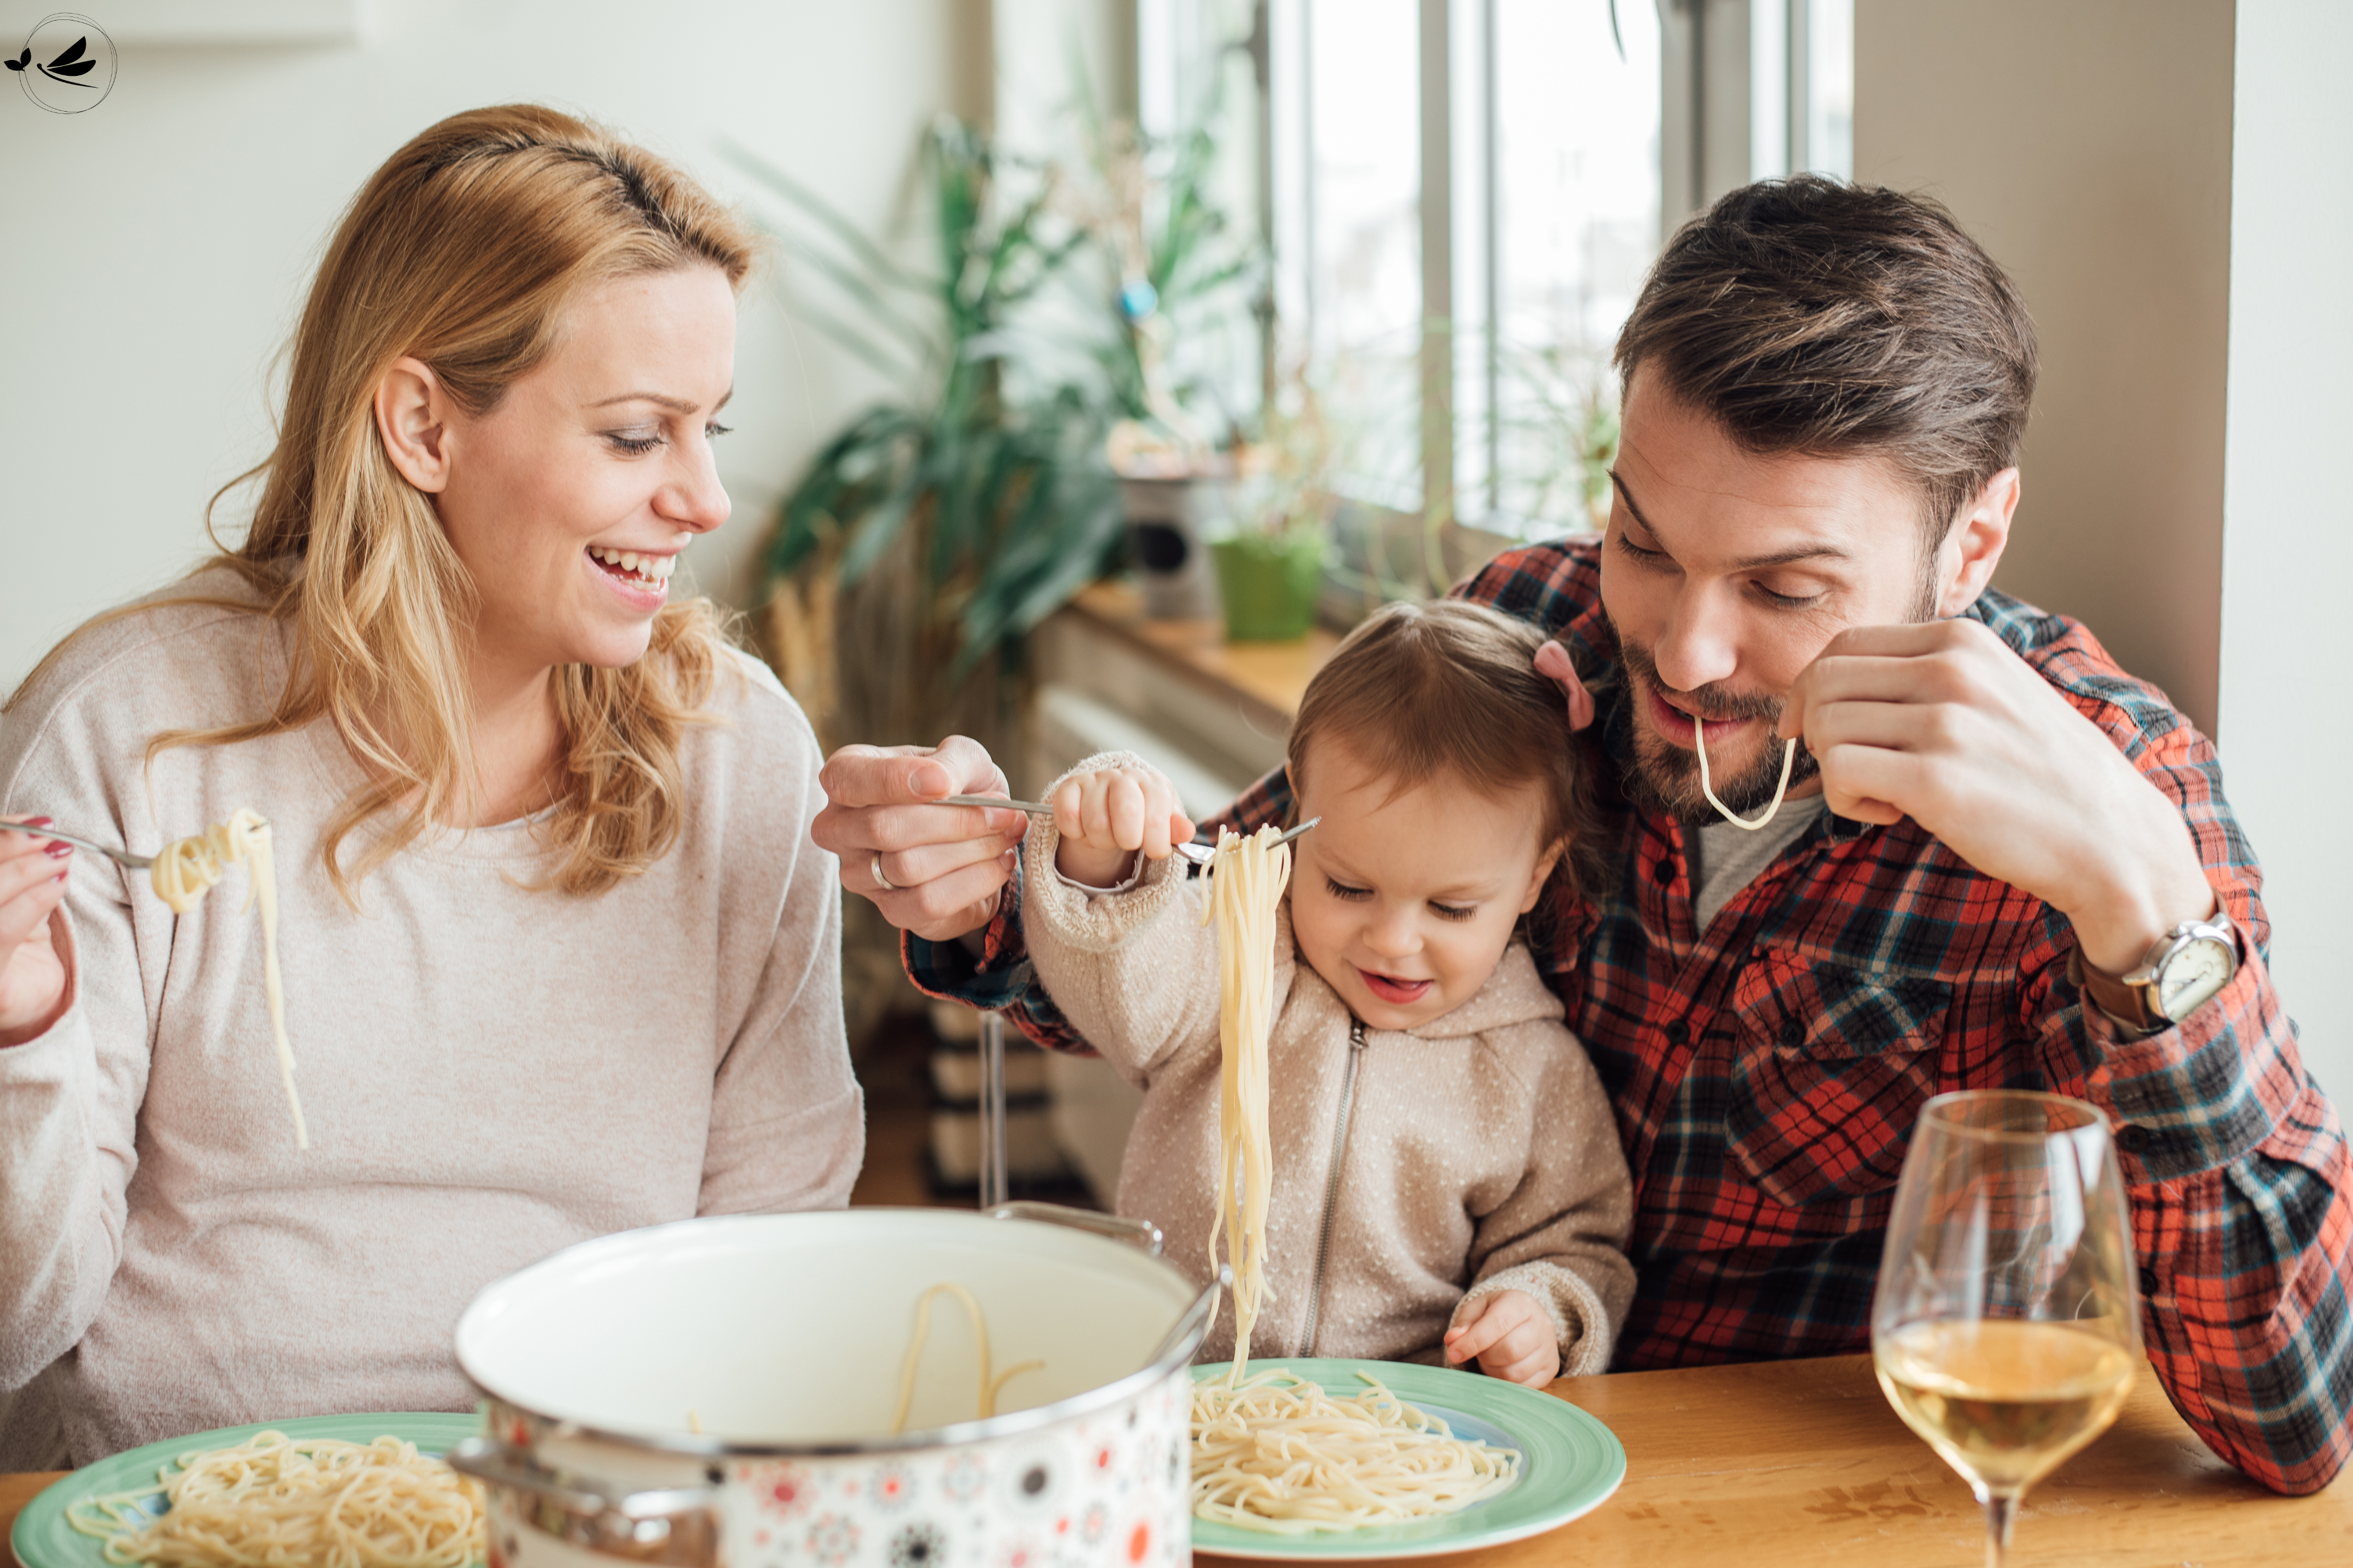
[926, 537]
[936, 528]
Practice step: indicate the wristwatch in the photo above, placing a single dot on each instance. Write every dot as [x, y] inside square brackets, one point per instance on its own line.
[2180, 974]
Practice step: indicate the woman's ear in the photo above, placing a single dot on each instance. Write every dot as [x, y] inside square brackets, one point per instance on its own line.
[1545, 862]
[412, 415]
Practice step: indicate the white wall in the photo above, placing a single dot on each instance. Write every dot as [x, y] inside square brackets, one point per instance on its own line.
[2174, 202]
[156, 249]
[2287, 638]
[2087, 146]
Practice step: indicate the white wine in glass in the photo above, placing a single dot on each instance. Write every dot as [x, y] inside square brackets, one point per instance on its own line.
[2007, 1330]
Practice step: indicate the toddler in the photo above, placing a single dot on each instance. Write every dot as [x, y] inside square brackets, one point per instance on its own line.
[1447, 1181]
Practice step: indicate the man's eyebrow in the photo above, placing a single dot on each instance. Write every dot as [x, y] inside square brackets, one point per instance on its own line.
[1628, 497]
[1813, 549]
[660, 400]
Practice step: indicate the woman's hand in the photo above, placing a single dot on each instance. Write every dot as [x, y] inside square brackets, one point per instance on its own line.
[32, 970]
[1509, 1334]
[1106, 816]
[935, 871]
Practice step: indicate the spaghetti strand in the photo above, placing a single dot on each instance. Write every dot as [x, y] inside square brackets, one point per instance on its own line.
[189, 868]
[1788, 757]
[1247, 881]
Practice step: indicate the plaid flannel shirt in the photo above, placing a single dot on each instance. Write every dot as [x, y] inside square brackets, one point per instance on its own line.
[1767, 1072]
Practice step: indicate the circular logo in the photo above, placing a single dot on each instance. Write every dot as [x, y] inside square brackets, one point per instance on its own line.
[67, 64]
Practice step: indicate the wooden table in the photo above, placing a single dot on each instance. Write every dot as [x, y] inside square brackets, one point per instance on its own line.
[1802, 1462]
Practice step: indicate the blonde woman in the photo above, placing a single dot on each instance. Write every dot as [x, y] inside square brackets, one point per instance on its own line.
[559, 956]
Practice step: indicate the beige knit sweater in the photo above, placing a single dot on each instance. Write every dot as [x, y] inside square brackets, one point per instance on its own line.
[1479, 1154]
[489, 1073]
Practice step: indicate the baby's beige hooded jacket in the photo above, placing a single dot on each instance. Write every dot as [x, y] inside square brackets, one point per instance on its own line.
[1413, 1172]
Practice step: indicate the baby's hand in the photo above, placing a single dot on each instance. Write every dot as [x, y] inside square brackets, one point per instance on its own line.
[1510, 1335]
[1106, 816]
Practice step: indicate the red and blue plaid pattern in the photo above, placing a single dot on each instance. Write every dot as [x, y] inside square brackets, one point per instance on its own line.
[1767, 1072]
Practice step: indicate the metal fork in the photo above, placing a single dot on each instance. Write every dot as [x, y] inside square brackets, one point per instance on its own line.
[122, 857]
[1198, 854]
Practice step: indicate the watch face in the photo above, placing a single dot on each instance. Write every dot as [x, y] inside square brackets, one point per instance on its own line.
[2191, 978]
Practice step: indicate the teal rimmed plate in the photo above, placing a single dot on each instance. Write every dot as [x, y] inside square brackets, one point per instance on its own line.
[1569, 1464]
[43, 1539]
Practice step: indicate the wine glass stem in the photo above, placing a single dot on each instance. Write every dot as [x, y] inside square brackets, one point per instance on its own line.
[2001, 1511]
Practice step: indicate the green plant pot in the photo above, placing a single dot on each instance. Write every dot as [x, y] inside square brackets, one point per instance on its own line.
[1269, 585]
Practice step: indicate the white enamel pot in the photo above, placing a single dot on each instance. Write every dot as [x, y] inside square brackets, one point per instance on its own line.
[719, 1394]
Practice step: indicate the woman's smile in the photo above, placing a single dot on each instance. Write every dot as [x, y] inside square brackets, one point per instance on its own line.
[641, 577]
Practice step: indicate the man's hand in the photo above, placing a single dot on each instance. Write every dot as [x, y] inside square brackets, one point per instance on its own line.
[1106, 816]
[935, 871]
[1509, 1334]
[1943, 724]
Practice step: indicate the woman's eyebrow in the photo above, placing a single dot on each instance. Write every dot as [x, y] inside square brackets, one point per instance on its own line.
[660, 400]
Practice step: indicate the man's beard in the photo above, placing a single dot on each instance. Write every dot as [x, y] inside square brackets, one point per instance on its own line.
[1665, 777]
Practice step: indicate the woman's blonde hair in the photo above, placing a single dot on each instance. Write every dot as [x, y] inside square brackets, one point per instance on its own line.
[464, 251]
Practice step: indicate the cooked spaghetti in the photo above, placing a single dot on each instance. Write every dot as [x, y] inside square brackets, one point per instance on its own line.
[1276, 1453]
[992, 1383]
[187, 869]
[274, 1501]
[1246, 884]
[1699, 744]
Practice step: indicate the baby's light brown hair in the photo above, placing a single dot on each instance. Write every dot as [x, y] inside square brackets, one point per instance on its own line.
[1447, 687]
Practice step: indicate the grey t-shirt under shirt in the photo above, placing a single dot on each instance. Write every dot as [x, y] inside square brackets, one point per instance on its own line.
[1730, 858]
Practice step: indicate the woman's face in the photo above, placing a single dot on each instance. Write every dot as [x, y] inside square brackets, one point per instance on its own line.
[570, 501]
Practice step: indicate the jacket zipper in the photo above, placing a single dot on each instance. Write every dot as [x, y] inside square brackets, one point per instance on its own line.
[1332, 1183]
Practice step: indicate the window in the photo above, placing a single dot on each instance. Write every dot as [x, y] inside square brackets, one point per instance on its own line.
[1461, 198]
[1456, 329]
[1560, 230]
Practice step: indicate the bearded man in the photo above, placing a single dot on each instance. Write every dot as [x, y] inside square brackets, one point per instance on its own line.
[2002, 862]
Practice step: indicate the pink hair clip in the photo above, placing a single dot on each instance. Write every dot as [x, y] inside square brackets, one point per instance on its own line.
[1552, 660]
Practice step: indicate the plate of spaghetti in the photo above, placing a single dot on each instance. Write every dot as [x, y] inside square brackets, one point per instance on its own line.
[1338, 1460]
[1331, 1458]
[353, 1491]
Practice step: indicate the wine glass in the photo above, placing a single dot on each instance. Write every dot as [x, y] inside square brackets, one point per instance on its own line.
[2007, 1326]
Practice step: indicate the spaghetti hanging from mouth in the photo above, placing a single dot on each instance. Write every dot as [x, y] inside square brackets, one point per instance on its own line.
[1707, 788]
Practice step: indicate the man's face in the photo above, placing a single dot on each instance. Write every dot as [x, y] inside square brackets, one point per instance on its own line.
[1724, 573]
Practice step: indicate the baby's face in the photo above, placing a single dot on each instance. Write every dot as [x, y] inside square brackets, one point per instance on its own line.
[1404, 903]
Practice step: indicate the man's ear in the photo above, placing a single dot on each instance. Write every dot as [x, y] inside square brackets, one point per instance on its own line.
[1973, 545]
[1543, 873]
[412, 415]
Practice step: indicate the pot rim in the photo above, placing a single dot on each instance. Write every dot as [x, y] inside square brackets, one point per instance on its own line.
[1175, 1354]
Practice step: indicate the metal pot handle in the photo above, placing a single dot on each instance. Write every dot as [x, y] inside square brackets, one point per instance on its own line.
[1189, 1325]
[672, 1525]
[1135, 1232]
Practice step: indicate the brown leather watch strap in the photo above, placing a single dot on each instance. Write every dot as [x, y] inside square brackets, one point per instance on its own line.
[2125, 1007]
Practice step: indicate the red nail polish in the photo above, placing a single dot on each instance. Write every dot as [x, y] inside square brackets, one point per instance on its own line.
[39, 821]
[57, 851]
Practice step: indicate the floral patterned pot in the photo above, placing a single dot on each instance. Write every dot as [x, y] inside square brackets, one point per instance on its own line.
[719, 1394]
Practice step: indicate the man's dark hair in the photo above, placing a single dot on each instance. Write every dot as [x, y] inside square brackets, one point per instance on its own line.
[1812, 316]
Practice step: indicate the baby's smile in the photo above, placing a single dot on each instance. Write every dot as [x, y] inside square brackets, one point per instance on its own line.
[1390, 988]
